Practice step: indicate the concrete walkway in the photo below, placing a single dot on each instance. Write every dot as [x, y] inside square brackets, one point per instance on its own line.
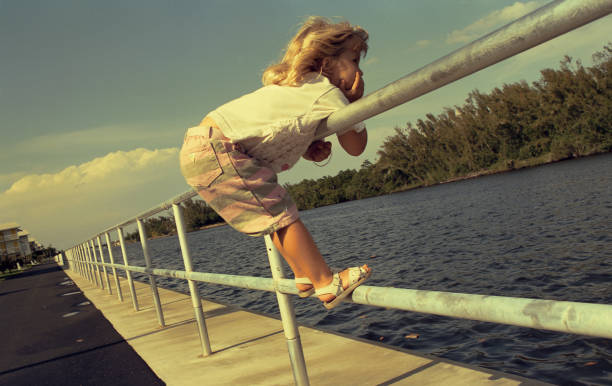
[250, 349]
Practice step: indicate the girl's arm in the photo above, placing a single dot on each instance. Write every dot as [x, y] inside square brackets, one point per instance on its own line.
[353, 142]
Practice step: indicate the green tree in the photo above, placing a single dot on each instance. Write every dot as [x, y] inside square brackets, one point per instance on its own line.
[198, 214]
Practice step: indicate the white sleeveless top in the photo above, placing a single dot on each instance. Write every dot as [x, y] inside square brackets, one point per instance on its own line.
[276, 124]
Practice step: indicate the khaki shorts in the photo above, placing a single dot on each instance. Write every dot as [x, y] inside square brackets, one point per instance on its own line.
[239, 188]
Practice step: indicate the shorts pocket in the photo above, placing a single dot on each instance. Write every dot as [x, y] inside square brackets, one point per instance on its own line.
[200, 166]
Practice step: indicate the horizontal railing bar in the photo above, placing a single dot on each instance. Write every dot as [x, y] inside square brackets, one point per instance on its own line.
[545, 23]
[248, 282]
[156, 209]
[570, 317]
[563, 316]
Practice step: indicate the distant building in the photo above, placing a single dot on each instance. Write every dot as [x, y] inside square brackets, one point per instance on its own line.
[24, 244]
[14, 243]
[10, 247]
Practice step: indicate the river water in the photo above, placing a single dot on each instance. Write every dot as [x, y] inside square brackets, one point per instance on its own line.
[543, 232]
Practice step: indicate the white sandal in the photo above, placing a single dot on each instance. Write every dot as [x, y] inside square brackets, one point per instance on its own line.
[305, 293]
[357, 275]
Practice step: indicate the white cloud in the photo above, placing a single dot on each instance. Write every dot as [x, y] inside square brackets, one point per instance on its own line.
[8, 179]
[68, 206]
[93, 172]
[97, 136]
[492, 21]
[423, 43]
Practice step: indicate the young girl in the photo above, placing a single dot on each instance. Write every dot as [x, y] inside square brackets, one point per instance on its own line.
[233, 156]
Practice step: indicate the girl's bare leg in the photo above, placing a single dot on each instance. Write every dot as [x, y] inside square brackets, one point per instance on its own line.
[298, 248]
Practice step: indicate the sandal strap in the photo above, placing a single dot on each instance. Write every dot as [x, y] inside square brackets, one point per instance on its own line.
[302, 280]
[333, 288]
[355, 274]
[305, 280]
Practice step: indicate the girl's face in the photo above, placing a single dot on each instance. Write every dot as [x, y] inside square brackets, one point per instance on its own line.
[344, 70]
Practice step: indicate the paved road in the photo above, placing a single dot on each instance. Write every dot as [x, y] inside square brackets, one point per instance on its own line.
[51, 335]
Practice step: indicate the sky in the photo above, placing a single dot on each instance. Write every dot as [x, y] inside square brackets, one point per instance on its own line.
[95, 96]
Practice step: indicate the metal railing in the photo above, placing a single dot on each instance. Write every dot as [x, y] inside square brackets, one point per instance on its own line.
[541, 25]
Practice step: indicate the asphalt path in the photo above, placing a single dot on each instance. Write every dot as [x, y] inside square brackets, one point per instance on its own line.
[50, 334]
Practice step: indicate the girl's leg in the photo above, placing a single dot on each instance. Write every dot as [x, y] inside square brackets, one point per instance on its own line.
[298, 248]
[297, 272]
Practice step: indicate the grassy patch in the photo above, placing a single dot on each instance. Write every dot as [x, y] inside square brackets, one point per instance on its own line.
[5, 274]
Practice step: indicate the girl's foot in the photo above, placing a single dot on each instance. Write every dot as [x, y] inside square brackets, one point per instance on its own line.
[304, 286]
[342, 284]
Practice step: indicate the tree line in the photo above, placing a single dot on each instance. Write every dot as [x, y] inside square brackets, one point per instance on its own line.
[196, 215]
[567, 113]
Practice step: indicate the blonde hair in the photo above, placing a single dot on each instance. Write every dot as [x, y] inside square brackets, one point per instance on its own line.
[317, 39]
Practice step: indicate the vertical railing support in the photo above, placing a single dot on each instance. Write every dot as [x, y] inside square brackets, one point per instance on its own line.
[86, 257]
[77, 253]
[92, 245]
[82, 262]
[69, 259]
[147, 257]
[95, 270]
[128, 274]
[108, 286]
[193, 289]
[74, 263]
[112, 261]
[292, 334]
[79, 264]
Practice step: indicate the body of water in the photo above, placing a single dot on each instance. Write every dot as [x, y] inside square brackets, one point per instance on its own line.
[543, 233]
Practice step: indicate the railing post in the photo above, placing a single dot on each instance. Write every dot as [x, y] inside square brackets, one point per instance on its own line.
[92, 245]
[69, 259]
[128, 274]
[94, 272]
[73, 261]
[108, 286]
[193, 289]
[292, 334]
[112, 261]
[154, 292]
[77, 258]
[82, 264]
[88, 266]
[74, 265]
